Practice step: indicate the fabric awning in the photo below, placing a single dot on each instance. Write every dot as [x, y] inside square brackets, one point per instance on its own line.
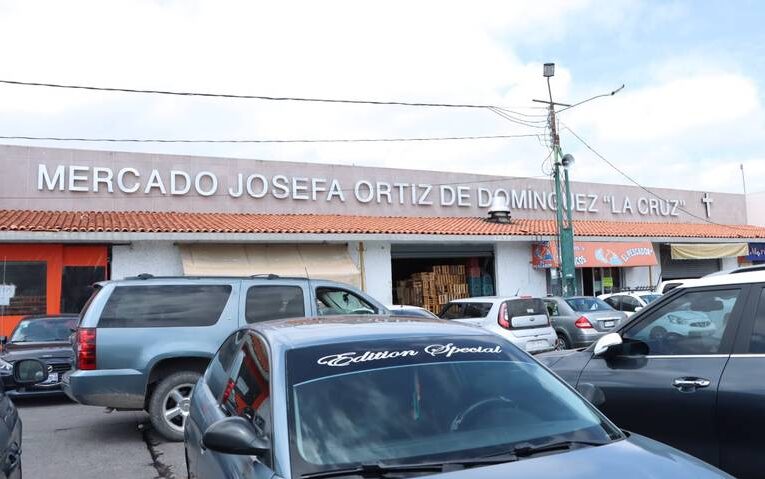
[596, 254]
[316, 261]
[708, 250]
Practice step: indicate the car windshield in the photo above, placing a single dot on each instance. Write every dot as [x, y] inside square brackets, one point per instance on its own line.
[650, 298]
[424, 401]
[584, 305]
[43, 329]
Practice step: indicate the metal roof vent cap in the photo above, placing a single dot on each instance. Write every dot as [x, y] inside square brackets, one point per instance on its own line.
[499, 211]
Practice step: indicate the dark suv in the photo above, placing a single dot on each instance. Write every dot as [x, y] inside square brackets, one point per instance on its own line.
[142, 343]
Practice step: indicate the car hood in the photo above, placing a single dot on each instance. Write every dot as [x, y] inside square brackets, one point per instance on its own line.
[41, 350]
[636, 457]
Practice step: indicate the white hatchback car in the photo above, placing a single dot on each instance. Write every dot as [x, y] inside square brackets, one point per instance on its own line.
[630, 302]
[521, 320]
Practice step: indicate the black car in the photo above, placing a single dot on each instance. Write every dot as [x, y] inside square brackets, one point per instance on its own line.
[687, 370]
[46, 338]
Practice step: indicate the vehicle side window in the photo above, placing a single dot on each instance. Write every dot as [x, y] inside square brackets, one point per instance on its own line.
[334, 301]
[452, 311]
[552, 308]
[614, 302]
[476, 310]
[757, 341]
[267, 302]
[691, 323]
[160, 306]
[217, 373]
[630, 304]
[248, 391]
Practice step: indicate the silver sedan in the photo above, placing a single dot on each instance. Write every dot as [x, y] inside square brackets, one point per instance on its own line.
[580, 320]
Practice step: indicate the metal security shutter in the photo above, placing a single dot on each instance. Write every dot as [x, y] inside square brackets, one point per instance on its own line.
[685, 268]
[441, 251]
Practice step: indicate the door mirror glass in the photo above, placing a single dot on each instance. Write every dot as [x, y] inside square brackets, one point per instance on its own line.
[235, 435]
[606, 342]
[29, 371]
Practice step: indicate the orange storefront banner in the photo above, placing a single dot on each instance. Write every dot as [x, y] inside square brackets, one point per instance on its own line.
[595, 254]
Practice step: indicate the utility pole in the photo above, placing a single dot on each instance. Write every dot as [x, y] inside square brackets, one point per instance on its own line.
[563, 198]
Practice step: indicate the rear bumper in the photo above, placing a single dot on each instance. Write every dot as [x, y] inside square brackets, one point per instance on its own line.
[538, 343]
[584, 337]
[117, 388]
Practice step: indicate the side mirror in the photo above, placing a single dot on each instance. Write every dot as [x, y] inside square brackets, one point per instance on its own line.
[638, 308]
[29, 371]
[235, 435]
[592, 393]
[606, 342]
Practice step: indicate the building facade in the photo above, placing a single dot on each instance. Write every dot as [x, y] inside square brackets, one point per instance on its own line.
[72, 217]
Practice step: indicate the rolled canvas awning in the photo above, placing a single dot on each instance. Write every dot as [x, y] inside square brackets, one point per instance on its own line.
[708, 251]
[595, 254]
[317, 261]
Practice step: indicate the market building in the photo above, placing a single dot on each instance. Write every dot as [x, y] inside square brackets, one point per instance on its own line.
[71, 217]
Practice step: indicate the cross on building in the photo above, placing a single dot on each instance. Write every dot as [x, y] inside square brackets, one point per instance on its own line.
[707, 203]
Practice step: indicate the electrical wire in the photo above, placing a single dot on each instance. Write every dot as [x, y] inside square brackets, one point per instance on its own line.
[514, 120]
[647, 190]
[310, 140]
[237, 96]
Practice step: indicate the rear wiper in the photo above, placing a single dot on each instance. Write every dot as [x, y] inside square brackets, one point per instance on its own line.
[527, 450]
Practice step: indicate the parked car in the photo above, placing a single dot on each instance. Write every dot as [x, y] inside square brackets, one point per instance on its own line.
[699, 391]
[581, 320]
[143, 342]
[666, 286]
[401, 397]
[739, 269]
[630, 302]
[521, 320]
[26, 373]
[411, 311]
[47, 338]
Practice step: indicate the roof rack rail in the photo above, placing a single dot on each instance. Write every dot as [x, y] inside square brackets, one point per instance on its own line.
[145, 276]
[265, 275]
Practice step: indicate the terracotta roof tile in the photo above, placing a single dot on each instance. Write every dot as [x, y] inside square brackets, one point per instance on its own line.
[149, 222]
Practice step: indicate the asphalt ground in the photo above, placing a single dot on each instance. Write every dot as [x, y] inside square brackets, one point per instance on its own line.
[62, 439]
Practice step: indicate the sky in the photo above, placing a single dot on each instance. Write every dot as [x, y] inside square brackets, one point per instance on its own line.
[690, 115]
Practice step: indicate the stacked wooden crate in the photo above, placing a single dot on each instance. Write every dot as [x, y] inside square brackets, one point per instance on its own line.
[433, 289]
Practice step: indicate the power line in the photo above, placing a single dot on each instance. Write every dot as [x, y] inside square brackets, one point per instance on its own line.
[515, 120]
[647, 190]
[308, 140]
[237, 96]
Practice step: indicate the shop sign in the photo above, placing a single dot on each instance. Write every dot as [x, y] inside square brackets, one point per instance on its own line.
[756, 252]
[595, 254]
[257, 185]
[7, 291]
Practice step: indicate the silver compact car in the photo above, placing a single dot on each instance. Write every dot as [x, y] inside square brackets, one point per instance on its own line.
[522, 320]
[581, 320]
[381, 397]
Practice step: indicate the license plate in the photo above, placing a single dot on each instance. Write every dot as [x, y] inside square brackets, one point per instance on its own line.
[535, 345]
[608, 324]
[52, 379]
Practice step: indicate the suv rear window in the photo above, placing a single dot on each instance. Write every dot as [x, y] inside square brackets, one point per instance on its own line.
[157, 306]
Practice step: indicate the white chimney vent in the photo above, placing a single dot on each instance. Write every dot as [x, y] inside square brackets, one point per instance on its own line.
[499, 211]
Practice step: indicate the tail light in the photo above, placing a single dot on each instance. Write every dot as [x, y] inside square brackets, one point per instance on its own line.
[227, 392]
[583, 323]
[502, 318]
[86, 348]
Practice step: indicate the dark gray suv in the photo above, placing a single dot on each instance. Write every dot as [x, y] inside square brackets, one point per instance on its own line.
[142, 343]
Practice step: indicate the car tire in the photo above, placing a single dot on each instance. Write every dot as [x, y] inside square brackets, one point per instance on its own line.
[561, 343]
[169, 404]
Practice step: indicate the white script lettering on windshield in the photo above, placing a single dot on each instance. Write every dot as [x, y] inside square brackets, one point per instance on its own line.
[447, 350]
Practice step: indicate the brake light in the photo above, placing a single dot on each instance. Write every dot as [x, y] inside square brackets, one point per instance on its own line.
[583, 323]
[227, 392]
[86, 348]
[502, 318]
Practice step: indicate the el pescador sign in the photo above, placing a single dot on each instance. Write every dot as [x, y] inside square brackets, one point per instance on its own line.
[83, 180]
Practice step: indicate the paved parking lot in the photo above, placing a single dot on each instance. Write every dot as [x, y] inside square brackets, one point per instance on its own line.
[65, 440]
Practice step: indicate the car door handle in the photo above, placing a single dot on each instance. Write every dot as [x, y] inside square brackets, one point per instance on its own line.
[690, 384]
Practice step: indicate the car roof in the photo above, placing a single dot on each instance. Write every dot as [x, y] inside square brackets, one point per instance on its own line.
[51, 316]
[738, 278]
[484, 299]
[303, 332]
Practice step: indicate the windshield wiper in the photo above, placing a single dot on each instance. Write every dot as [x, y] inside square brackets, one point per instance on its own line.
[528, 450]
[374, 470]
